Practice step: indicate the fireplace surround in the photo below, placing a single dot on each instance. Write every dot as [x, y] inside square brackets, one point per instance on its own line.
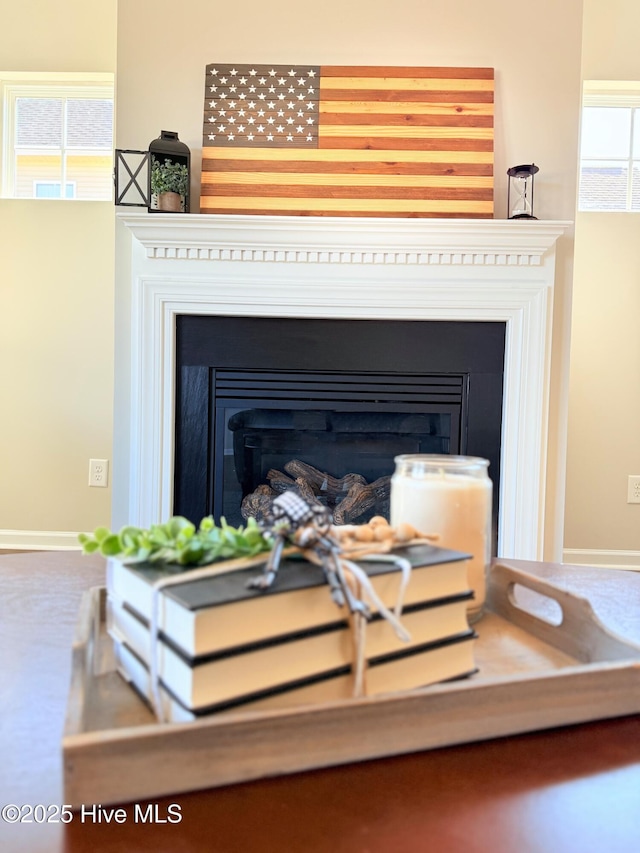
[325, 268]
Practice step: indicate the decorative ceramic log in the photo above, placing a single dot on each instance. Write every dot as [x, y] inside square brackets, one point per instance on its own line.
[279, 481]
[358, 500]
[349, 497]
[321, 481]
[305, 490]
[257, 504]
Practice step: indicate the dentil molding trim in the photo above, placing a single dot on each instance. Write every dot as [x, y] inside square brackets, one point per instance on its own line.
[343, 240]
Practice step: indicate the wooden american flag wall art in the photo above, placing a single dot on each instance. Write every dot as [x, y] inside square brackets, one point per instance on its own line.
[348, 141]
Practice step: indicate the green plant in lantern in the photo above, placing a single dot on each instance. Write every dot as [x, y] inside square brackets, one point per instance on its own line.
[168, 177]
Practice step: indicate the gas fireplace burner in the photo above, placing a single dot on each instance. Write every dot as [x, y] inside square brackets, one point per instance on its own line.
[349, 499]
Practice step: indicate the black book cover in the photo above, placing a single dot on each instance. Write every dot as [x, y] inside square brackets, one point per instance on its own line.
[295, 573]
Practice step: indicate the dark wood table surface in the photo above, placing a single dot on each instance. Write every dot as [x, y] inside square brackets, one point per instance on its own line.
[556, 791]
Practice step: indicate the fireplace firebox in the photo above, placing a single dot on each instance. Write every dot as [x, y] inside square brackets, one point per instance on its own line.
[260, 399]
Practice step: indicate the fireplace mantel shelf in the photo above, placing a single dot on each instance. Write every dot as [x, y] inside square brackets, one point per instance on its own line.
[286, 239]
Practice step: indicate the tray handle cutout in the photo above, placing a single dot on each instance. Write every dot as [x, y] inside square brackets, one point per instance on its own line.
[579, 633]
[543, 607]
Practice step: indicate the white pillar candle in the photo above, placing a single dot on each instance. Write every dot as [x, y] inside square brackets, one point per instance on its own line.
[449, 496]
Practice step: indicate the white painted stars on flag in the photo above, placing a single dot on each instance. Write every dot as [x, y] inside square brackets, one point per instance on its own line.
[261, 106]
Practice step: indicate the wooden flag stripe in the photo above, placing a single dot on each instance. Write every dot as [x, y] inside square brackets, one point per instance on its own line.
[392, 131]
[292, 191]
[349, 207]
[399, 84]
[380, 211]
[398, 71]
[212, 169]
[404, 179]
[402, 119]
[421, 107]
[395, 95]
[390, 143]
[316, 157]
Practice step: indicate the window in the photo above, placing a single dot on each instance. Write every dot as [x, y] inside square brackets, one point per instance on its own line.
[57, 132]
[51, 189]
[610, 147]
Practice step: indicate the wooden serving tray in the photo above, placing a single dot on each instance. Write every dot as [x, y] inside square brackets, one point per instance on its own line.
[532, 675]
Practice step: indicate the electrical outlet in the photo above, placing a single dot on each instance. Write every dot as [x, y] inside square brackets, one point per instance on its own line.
[633, 489]
[99, 472]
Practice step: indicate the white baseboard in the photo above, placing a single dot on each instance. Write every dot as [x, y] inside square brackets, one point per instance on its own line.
[39, 540]
[628, 560]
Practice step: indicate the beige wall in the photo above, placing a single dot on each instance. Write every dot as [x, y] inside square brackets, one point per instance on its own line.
[537, 62]
[604, 412]
[56, 309]
[56, 328]
[610, 40]
[604, 408]
[68, 35]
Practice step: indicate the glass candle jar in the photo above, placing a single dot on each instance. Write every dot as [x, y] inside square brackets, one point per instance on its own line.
[449, 496]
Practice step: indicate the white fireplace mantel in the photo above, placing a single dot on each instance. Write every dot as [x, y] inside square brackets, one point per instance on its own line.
[343, 240]
[270, 266]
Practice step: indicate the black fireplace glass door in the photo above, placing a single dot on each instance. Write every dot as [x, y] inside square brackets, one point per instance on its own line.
[262, 399]
[307, 429]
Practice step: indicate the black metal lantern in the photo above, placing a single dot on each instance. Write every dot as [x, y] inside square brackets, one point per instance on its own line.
[169, 174]
[520, 192]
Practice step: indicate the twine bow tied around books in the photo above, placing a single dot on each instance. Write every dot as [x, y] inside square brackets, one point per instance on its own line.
[307, 529]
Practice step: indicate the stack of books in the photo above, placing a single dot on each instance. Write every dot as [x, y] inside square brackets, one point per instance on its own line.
[224, 646]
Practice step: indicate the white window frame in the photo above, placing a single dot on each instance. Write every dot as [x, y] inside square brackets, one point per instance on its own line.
[615, 93]
[14, 85]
